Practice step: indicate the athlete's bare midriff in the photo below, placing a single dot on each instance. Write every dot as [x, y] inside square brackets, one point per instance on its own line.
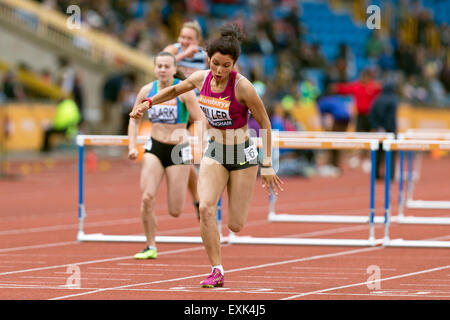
[229, 136]
[170, 133]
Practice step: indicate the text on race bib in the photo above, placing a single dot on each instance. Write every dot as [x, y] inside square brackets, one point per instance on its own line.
[217, 111]
[166, 112]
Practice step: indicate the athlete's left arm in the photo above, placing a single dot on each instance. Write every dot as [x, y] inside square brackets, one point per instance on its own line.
[246, 94]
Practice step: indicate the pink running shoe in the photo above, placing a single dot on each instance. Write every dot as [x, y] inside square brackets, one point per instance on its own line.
[215, 279]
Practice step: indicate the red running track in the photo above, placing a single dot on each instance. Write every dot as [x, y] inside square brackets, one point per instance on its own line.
[41, 259]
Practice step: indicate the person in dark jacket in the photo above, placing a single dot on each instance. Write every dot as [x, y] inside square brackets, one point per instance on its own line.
[383, 118]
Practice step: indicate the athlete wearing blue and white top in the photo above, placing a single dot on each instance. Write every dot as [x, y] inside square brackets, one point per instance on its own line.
[190, 57]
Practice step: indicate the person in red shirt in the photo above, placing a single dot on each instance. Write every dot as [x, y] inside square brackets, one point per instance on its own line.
[364, 91]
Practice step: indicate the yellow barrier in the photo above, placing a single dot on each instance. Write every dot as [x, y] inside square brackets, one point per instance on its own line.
[26, 122]
[422, 117]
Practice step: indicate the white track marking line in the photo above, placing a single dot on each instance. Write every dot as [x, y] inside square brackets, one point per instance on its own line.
[228, 271]
[415, 295]
[293, 277]
[84, 278]
[68, 226]
[367, 282]
[191, 289]
[162, 265]
[39, 246]
[96, 261]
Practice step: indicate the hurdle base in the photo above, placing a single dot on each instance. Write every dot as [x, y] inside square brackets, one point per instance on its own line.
[321, 218]
[233, 239]
[427, 204]
[99, 237]
[423, 220]
[416, 243]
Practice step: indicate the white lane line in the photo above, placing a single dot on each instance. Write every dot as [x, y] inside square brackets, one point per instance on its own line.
[433, 294]
[161, 265]
[341, 268]
[62, 227]
[367, 282]
[293, 275]
[228, 271]
[114, 274]
[65, 278]
[39, 246]
[389, 294]
[95, 261]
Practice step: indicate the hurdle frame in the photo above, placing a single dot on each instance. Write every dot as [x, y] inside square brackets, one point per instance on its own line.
[410, 202]
[122, 140]
[380, 136]
[322, 143]
[410, 145]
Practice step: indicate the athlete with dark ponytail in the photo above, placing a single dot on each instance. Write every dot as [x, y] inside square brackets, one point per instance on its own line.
[231, 158]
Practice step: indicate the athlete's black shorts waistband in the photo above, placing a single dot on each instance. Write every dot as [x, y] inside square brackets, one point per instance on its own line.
[169, 154]
[235, 156]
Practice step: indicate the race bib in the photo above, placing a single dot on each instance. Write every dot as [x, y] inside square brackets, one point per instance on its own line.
[250, 153]
[166, 112]
[186, 154]
[216, 110]
[148, 145]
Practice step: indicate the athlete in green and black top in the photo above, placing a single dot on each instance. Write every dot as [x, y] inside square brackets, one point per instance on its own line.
[167, 151]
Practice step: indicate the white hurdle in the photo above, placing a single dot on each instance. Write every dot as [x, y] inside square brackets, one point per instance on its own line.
[410, 145]
[414, 134]
[292, 142]
[111, 140]
[280, 217]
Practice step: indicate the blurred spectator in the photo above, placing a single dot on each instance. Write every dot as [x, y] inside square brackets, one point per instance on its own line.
[374, 46]
[12, 88]
[383, 118]
[437, 93]
[444, 75]
[405, 59]
[313, 57]
[65, 122]
[65, 75]
[127, 99]
[46, 76]
[78, 96]
[414, 89]
[346, 61]
[113, 90]
[386, 61]
[364, 91]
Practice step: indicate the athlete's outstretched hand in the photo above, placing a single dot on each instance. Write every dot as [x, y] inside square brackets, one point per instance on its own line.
[270, 180]
[138, 111]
